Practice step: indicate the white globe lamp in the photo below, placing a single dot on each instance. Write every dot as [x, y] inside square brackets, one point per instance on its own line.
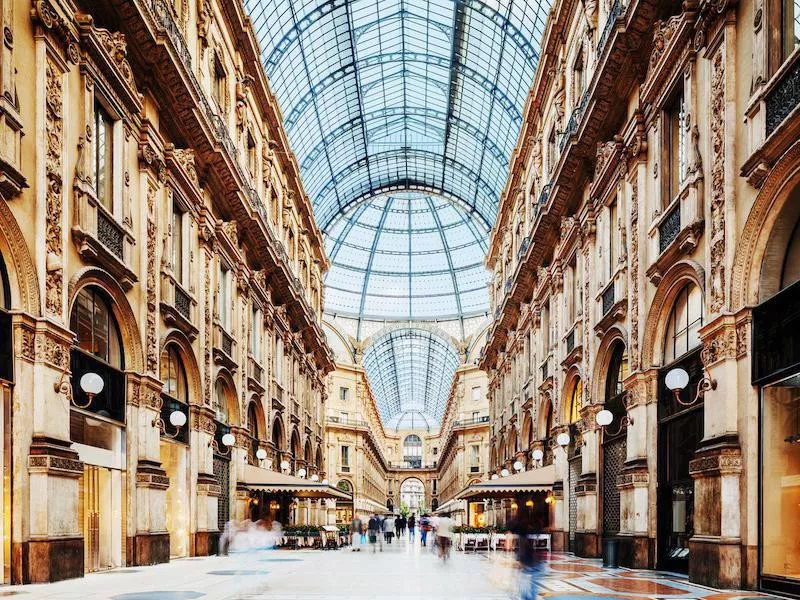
[228, 440]
[563, 438]
[92, 384]
[284, 465]
[518, 466]
[261, 454]
[301, 473]
[177, 418]
[677, 379]
[315, 477]
[537, 454]
[495, 476]
[324, 482]
[604, 418]
[504, 473]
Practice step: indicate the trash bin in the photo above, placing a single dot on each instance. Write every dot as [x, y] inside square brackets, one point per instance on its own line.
[611, 552]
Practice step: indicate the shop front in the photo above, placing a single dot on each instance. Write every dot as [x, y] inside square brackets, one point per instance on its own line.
[776, 372]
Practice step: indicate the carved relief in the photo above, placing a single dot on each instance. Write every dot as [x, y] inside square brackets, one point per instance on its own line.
[150, 325]
[662, 34]
[633, 309]
[54, 128]
[185, 158]
[207, 323]
[114, 44]
[717, 240]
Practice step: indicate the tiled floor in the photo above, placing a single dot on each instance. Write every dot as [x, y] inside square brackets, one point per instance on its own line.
[400, 571]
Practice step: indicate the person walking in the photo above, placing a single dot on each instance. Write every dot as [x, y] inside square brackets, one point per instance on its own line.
[388, 527]
[356, 530]
[374, 532]
[398, 526]
[412, 522]
[444, 535]
[424, 528]
[403, 523]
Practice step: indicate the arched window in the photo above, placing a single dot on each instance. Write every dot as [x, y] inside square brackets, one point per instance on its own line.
[6, 342]
[617, 371]
[573, 412]
[548, 427]
[174, 375]
[221, 401]
[96, 328]
[345, 486]
[412, 451]
[684, 322]
[252, 432]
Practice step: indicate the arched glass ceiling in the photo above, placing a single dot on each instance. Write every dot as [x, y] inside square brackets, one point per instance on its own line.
[410, 370]
[407, 256]
[400, 94]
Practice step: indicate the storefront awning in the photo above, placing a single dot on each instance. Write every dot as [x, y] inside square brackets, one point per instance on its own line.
[452, 505]
[535, 480]
[258, 479]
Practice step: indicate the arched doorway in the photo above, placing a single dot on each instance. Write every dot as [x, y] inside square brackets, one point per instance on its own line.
[412, 451]
[571, 418]
[412, 496]
[344, 508]
[614, 438]
[297, 452]
[97, 423]
[776, 373]
[225, 405]
[680, 429]
[255, 428]
[174, 447]
[278, 445]
[6, 390]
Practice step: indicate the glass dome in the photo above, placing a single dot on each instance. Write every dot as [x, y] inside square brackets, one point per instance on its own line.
[410, 371]
[407, 256]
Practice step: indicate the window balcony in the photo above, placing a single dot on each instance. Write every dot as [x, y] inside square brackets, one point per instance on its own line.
[101, 240]
[278, 396]
[224, 348]
[255, 375]
[612, 301]
[294, 415]
[573, 345]
[178, 307]
[676, 231]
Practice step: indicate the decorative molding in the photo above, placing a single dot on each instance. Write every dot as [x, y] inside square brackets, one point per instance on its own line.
[151, 343]
[718, 208]
[54, 131]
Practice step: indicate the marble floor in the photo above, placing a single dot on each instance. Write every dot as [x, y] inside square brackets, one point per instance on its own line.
[402, 570]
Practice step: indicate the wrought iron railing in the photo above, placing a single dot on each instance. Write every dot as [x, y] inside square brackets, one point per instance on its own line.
[183, 303]
[473, 421]
[574, 119]
[570, 341]
[110, 234]
[616, 10]
[256, 371]
[545, 370]
[607, 299]
[783, 98]
[669, 228]
[523, 247]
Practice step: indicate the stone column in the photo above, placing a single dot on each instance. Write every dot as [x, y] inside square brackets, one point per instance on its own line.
[560, 529]
[208, 490]
[587, 535]
[638, 478]
[716, 549]
[46, 492]
[148, 538]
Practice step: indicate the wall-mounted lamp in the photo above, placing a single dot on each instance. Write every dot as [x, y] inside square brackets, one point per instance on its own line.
[177, 419]
[261, 454]
[91, 384]
[605, 417]
[518, 466]
[315, 477]
[562, 439]
[504, 473]
[285, 465]
[495, 476]
[228, 440]
[677, 380]
[301, 473]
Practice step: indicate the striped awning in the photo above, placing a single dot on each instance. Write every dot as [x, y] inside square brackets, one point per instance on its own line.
[535, 480]
[258, 479]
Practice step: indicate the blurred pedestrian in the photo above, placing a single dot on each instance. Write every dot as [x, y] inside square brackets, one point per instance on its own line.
[412, 523]
[374, 532]
[356, 531]
[388, 527]
[444, 535]
[425, 527]
[397, 528]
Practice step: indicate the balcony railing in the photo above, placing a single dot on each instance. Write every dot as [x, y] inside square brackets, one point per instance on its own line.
[570, 341]
[781, 100]
[616, 10]
[574, 120]
[473, 421]
[545, 369]
[607, 299]
[523, 247]
[255, 371]
[183, 304]
[669, 228]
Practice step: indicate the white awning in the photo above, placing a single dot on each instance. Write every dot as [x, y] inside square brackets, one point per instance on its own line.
[258, 479]
[535, 480]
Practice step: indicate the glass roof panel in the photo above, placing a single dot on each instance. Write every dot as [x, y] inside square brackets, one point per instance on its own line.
[420, 250]
[380, 94]
[410, 371]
